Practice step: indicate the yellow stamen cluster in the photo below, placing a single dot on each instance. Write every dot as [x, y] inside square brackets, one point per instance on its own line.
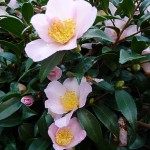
[62, 31]
[63, 137]
[69, 100]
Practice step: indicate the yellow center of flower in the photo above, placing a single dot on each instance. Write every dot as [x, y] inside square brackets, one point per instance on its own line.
[69, 100]
[63, 137]
[62, 31]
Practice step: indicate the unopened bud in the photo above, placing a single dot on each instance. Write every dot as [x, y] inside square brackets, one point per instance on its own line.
[136, 67]
[21, 87]
[78, 48]
[27, 100]
[91, 101]
[120, 84]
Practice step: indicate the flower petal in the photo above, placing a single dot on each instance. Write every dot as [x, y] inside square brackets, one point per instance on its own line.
[85, 88]
[112, 8]
[85, 16]
[71, 84]
[64, 121]
[39, 49]
[55, 106]
[60, 9]
[54, 90]
[41, 26]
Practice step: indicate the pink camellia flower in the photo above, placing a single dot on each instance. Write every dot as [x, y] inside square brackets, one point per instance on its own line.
[146, 66]
[60, 27]
[55, 74]
[66, 137]
[27, 100]
[119, 23]
[65, 99]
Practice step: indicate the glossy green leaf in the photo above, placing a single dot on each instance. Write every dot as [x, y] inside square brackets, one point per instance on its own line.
[105, 85]
[127, 106]
[9, 56]
[107, 117]
[26, 132]
[48, 64]
[27, 12]
[43, 124]
[91, 126]
[9, 107]
[97, 33]
[144, 5]
[143, 18]
[128, 7]
[128, 56]
[39, 144]
[13, 25]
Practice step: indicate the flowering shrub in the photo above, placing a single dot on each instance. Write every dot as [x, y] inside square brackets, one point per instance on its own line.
[74, 74]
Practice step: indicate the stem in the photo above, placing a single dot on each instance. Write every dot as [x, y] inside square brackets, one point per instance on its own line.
[127, 23]
[143, 124]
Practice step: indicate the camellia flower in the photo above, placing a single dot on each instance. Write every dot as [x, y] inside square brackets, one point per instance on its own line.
[146, 66]
[60, 27]
[55, 74]
[66, 137]
[13, 4]
[119, 23]
[64, 99]
[27, 100]
[3, 10]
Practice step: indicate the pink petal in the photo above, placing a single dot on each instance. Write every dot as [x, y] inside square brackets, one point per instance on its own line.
[119, 23]
[79, 133]
[41, 24]
[108, 23]
[55, 116]
[52, 131]
[39, 50]
[55, 106]
[111, 33]
[71, 84]
[57, 147]
[54, 90]
[146, 51]
[146, 67]
[13, 4]
[112, 8]
[64, 121]
[60, 9]
[85, 88]
[85, 16]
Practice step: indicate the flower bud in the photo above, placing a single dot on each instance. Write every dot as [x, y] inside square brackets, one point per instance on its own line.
[120, 84]
[27, 100]
[55, 74]
[21, 87]
[136, 67]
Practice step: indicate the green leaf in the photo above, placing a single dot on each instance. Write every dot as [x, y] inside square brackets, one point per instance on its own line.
[91, 126]
[39, 144]
[107, 117]
[43, 124]
[105, 85]
[105, 4]
[13, 25]
[128, 56]
[143, 18]
[144, 5]
[127, 106]
[97, 33]
[128, 7]
[9, 107]
[29, 63]
[48, 64]
[27, 12]
[9, 56]
[26, 132]
[11, 121]
[27, 112]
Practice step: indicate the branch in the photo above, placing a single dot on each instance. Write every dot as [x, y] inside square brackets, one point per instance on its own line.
[143, 124]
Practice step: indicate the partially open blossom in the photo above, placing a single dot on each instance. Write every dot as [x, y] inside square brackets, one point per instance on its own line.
[60, 27]
[55, 74]
[68, 136]
[27, 100]
[66, 98]
[119, 23]
[146, 66]
[21, 87]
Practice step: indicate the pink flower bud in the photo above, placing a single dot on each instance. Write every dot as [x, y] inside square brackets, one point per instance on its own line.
[27, 100]
[55, 74]
[21, 87]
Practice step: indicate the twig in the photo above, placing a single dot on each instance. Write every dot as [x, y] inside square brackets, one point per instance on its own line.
[143, 124]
